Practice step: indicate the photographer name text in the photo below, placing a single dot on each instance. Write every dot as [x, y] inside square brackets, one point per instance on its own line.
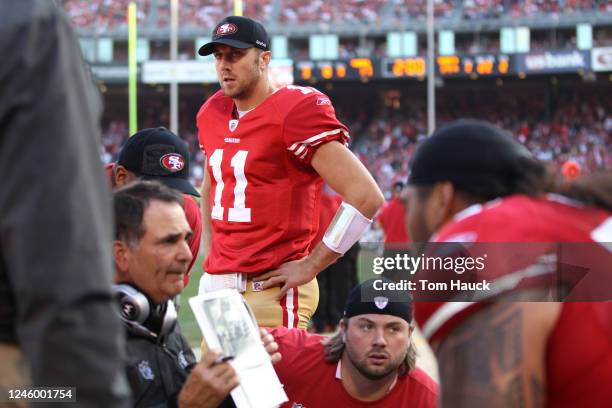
[424, 284]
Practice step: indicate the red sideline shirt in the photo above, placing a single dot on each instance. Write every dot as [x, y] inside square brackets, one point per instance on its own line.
[264, 195]
[192, 212]
[310, 382]
[392, 218]
[579, 349]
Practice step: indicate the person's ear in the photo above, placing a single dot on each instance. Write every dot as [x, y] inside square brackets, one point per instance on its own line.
[123, 176]
[264, 59]
[343, 327]
[121, 256]
[443, 200]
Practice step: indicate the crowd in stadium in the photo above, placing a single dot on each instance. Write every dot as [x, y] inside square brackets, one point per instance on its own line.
[579, 129]
[352, 11]
[195, 13]
[102, 13]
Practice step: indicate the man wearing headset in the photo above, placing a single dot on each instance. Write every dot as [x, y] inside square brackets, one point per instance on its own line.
[152, 256]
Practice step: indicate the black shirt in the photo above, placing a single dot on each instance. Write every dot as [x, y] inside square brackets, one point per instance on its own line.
[55, 215]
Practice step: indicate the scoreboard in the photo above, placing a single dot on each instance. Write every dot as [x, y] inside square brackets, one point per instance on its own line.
[413, 67]
[354, 68]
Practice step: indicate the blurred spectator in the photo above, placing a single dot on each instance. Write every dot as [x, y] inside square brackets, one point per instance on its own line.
[391, 218]
[102, 14]
[417, 9]
[319, 11]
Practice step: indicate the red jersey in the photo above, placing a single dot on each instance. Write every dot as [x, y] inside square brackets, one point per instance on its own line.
[192, 212]
[392, 218]
[311, 382]
[574, 369]
[194, 218]
[264, 194]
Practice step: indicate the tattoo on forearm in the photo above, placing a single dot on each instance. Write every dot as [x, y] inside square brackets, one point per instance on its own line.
[482, 362]
[508, 331]
[514, 396]
[537, 391]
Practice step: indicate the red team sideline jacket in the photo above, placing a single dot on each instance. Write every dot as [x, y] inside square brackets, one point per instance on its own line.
[579, 349]
[264, 192]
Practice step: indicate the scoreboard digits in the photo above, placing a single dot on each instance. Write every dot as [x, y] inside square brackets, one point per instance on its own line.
[412, 67]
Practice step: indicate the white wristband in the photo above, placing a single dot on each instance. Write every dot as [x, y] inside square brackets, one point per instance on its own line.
[345, 229]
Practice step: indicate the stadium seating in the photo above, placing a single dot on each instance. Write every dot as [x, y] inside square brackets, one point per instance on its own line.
[101, 14]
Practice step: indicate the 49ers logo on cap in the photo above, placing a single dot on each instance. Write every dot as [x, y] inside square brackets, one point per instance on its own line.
[225, 29]
[173, 162]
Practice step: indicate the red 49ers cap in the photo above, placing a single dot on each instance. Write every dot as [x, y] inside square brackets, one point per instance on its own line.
[158, 154]
[237, 32]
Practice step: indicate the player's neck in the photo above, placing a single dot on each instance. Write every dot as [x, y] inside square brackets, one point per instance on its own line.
[260, 93]
[362, 388]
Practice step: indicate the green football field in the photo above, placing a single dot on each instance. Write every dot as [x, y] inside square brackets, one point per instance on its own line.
[186, 318]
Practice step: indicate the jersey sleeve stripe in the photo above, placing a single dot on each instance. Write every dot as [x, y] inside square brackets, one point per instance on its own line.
[322, 135]
[300, 150]
[442, 316]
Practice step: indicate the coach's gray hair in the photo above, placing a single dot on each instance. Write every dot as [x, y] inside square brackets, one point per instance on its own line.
[130, 203]
[334, 348]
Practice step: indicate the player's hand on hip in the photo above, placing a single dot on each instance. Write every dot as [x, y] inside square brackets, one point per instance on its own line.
[289, 275]
[209, 383]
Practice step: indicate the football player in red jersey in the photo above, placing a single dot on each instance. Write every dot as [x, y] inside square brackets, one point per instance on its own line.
[508, 351]
[268, 151]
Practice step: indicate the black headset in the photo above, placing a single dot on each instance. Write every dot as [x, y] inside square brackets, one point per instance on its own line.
[141, 316]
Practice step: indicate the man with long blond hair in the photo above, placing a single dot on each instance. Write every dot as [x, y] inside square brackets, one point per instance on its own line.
[371, 360]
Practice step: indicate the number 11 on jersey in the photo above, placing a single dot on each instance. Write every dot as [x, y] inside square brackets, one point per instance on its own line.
[239, 212]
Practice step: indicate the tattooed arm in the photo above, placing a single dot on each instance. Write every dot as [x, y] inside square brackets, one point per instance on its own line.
[496, 357]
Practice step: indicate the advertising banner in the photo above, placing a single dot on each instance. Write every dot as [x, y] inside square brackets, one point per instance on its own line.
[601, 59]
[553, 62]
